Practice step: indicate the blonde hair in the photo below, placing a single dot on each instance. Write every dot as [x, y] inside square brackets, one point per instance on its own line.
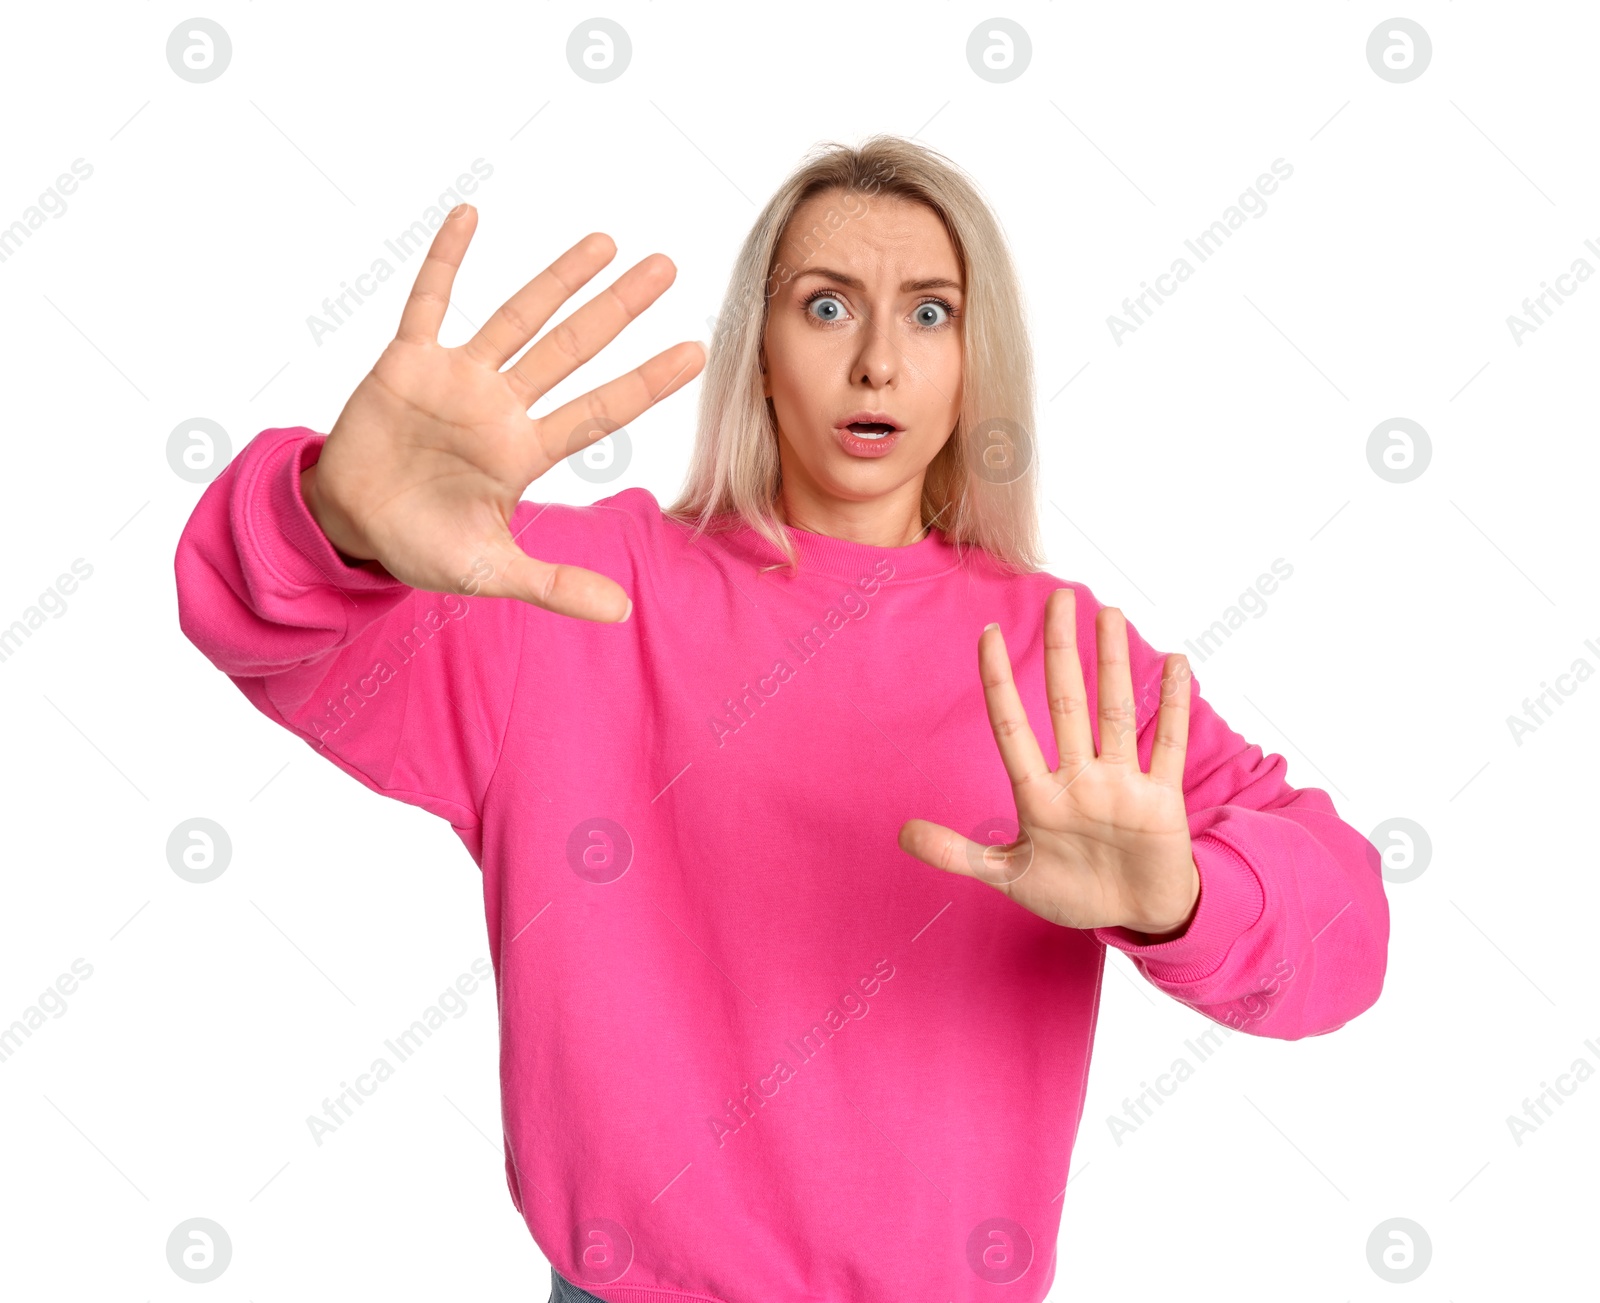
[979, 489]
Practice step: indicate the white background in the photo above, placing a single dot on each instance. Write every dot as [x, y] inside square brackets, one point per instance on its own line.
[1177, 466]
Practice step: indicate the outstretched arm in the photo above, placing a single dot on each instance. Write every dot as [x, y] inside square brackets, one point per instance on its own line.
[1167, 835]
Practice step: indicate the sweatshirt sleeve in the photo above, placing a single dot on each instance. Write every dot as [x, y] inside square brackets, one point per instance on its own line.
[408, 691]
[1290, 935]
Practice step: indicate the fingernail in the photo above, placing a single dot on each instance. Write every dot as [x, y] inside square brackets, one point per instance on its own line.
[987, 627]
[457, 211]
[627, 613]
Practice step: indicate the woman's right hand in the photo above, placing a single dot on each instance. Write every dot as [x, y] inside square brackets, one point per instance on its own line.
[433, 451]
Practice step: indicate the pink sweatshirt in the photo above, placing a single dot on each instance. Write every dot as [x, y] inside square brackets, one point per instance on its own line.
[751, 1051]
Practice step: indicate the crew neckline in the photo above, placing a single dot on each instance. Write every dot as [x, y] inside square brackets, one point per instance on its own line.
[838, 558]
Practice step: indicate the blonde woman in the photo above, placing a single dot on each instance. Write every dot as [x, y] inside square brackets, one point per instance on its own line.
[709, 758]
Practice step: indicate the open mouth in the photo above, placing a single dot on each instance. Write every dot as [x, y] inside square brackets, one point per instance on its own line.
[870, 425]
[869, 434]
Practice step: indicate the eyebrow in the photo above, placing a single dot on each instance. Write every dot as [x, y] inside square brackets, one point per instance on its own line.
[906, 287]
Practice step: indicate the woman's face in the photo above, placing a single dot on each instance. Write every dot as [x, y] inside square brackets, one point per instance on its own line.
[862, 352]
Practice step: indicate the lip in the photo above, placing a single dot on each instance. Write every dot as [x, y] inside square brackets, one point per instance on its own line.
[869, 418]
[857, 446]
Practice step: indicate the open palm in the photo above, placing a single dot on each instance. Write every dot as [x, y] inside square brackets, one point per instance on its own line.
[431, 454]
[1101, 843]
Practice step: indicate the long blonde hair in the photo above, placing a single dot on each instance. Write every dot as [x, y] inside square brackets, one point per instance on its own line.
[980, 488]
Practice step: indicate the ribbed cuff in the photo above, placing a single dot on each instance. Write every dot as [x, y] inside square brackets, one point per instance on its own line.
[282, 528]
[1231, 902]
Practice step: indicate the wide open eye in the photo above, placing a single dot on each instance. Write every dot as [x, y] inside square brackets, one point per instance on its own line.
[931, 314]
[825, 307]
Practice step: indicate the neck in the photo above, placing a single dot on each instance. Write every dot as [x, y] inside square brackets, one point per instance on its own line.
[891, 520]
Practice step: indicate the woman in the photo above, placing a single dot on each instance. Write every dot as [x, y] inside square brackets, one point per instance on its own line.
[751, 1048]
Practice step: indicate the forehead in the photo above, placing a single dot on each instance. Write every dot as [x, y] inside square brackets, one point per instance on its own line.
[859, 233]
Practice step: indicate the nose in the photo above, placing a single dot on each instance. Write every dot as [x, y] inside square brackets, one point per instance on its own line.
[877, 362]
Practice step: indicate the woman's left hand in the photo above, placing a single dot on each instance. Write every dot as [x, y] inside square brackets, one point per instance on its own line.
[1102, 844]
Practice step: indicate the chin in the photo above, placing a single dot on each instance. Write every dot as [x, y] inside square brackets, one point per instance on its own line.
[855, 479]
[862, 481]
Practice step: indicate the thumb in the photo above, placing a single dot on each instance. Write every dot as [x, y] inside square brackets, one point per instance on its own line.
[946, 849]
[503, 569]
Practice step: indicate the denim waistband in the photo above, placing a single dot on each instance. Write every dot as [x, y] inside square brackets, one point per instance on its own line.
[563, 1290]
